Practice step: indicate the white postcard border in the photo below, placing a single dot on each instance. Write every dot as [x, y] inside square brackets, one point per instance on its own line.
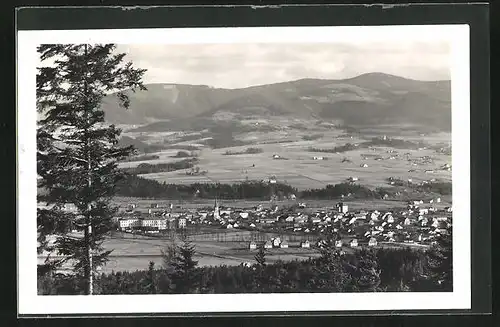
[30, 303]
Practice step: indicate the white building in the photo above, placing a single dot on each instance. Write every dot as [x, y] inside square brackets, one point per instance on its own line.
[372, 242]
[216, 210]
[158, 223]
[69, 207]
[342, 207]
[181, 222]
[305, 244]
[390, 219]
[252, 245]
[126, 223]
[354, 243]
[423, 211]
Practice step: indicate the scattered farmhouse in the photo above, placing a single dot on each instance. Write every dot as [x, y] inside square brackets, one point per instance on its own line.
[182, 222]
[342, 207]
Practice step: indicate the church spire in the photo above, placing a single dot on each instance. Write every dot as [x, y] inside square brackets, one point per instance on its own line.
[216, 209]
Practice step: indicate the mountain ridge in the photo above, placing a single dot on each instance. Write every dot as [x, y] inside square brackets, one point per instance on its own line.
[363, 99]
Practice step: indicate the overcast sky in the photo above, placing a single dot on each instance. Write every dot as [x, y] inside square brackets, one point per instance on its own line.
[242, 65]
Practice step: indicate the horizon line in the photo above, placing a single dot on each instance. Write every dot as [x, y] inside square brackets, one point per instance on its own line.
[301, 79]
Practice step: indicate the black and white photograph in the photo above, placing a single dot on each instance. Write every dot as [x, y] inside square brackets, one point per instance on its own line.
[250, 169]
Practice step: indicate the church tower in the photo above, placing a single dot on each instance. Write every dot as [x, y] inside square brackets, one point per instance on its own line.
[216, 210]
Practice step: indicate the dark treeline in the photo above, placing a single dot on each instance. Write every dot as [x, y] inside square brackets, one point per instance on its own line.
[337, 190]
[312, 137]
[440, 187]
[340, 148]
[220, 141]
[394, 143]
[366, 270]
[145, 168]
[444, 188]
[187, 147]
[144, 157]
[184, 154]
[247, 151]
[135, 186]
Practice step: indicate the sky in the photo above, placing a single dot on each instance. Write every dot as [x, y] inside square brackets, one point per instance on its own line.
[247, 64]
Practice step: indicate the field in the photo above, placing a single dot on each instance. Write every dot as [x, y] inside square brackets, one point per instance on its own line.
[135, 252]
[301, 170]
[292, 142]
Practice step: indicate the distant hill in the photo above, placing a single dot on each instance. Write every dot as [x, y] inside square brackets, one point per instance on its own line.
[138, 145]
[367, 99]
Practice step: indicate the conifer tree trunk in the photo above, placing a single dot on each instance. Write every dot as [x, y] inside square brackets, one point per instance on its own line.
[88, 235]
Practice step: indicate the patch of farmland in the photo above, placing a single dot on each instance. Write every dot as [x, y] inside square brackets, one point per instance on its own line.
[177, 177]
[165, 156]
[300, 170]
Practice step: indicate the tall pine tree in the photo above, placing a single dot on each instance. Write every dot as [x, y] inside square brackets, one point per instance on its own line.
[77, 150]
[260, 257]
[329, 268]
[185, 276]
[150, 280]
[440, 262]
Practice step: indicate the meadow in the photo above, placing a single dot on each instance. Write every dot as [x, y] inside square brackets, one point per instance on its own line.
[298, 167]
